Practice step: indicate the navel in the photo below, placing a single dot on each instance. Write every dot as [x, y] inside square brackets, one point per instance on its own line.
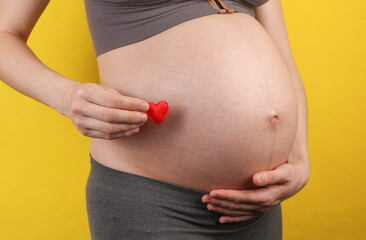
[275, 118]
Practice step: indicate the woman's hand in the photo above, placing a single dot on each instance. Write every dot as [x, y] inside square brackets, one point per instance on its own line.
[275, 186]
[102, 112]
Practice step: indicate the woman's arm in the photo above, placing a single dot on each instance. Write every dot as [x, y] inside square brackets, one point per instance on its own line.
[96, 111]
[270, 15]
[19, 66]
[290, 177]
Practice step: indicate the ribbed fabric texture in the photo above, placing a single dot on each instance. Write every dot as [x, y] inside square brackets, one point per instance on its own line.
[126, 206]
[116, 23]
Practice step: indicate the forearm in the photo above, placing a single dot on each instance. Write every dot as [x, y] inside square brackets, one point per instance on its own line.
[24, 72]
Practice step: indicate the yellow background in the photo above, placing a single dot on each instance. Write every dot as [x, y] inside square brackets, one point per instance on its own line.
[44, 159]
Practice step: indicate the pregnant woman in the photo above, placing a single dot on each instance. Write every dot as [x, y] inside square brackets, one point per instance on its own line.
[233, 145]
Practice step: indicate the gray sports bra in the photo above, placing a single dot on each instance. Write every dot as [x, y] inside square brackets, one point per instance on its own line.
[116, 23]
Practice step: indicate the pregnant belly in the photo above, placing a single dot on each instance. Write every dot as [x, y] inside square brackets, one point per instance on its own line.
[232, 105]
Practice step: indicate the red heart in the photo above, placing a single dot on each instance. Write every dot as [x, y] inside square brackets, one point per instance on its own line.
[157, 113]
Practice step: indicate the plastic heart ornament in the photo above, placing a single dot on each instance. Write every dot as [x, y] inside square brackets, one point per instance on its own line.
[157, 113]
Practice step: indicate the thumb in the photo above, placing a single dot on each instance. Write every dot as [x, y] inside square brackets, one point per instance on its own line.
[281, 174]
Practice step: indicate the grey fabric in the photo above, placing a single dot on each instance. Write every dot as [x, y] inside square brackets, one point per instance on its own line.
[116, 23]
[122, 205]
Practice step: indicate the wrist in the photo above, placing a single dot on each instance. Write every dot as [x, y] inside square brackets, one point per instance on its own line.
[300, 158]
[67, 89]
[303, 167]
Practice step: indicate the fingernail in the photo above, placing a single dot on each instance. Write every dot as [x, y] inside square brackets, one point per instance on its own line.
[206, 199]
[143, 117]
[144, 107]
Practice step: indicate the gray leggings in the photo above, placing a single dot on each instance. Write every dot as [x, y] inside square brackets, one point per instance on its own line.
[122, 205]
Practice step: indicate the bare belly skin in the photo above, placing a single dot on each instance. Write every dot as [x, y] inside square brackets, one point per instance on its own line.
[232, 104]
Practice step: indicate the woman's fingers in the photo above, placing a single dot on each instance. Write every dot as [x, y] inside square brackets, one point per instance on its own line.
[282, 174]
[97, 134]
[235, 208]
[230, 205]
[102, 112]
[104, 127]
[256, 196]
[235, 212]
[111, 98]
[242, 202]
[225, 219]
[109, 114]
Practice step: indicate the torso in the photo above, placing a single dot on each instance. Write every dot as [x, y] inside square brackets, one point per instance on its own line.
[232, 104]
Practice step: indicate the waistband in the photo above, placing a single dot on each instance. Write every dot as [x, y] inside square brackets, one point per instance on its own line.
[169, 201]
[118, 176]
